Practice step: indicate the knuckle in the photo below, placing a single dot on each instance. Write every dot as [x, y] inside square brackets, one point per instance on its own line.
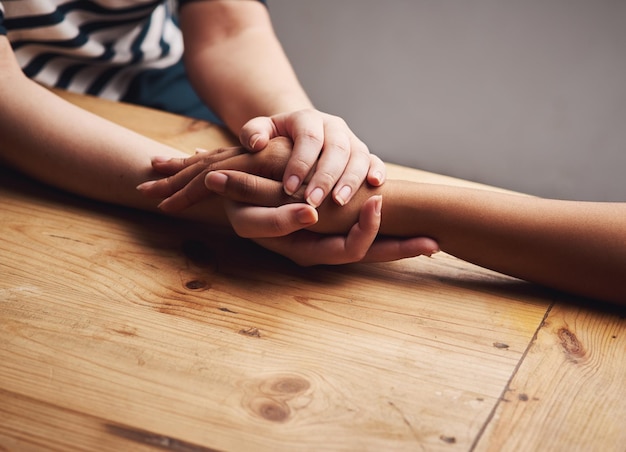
[241, 231]
[325, 178]
[246, 188]
[341, 146]
[299, 165]
[170, 184]
[276, 225]
[362, 152]
[187, 197]
[356, 254]
[311, 136]
[352, 179]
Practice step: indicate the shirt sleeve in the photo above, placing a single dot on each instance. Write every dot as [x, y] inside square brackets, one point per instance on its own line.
[182, 2]
[3, 30]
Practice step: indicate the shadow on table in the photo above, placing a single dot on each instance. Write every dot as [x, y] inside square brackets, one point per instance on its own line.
[219, 251]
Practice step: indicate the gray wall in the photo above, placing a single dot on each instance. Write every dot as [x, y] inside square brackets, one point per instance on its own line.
[526, 94]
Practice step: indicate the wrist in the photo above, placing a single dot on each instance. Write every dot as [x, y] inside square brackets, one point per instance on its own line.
[335, 219]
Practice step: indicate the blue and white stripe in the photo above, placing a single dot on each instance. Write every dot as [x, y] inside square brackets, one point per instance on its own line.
[93, 47]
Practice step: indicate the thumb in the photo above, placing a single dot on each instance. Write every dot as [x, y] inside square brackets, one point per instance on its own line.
[256, 133]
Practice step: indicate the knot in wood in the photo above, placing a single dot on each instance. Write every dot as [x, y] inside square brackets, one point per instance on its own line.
[571, 345]
[287, 385]
[270, 409]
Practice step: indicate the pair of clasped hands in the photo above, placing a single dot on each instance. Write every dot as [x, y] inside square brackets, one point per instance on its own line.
[290, 215]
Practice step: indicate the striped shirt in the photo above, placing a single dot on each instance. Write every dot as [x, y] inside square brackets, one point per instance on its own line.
[93, 47]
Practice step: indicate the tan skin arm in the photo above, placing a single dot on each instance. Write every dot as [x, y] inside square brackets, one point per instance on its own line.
[40, 137]
[238, 67]
[104, 161]
[578, 247]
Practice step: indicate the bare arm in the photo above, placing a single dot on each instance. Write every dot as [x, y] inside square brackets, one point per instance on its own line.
[236, 63]
[67, 147]
[577, 247]
[238, 67]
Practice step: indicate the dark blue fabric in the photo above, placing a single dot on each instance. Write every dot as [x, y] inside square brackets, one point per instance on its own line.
[182, 2]
[3, 30]
[166, 89]
[169, 90]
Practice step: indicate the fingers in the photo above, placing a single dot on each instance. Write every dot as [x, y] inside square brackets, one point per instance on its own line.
[170, 166]
[183, 171]
[363, 233]
[187, 186]
[360, 245]
[307, 248]
[377, 171]
[235, 185]
[326, 154]
[191, 193]
[354, 173]
[247, 188]
[391, 249]
[307, 130]
[254, 221]
[167, 186]
[337, 158]
[256, 133]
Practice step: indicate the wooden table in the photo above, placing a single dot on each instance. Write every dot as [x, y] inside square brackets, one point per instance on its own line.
[123, 330]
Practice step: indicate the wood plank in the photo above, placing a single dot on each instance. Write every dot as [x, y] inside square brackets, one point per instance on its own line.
[150, 329]
[145, 323]
[570, 391]
[178, 131]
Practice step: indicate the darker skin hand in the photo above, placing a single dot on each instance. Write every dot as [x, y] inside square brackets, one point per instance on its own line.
[192, 179]
[188, 182]
[184, 184]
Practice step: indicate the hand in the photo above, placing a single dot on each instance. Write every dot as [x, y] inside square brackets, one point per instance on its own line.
[343, 161]
[276, 228]
[281, 225]
[184, 185]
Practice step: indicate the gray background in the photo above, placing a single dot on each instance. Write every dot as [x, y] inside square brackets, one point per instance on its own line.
[528, 94]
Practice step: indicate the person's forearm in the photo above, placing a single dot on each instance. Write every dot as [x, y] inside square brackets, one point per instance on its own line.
[578, 247]
[62, 145]
[241, 71]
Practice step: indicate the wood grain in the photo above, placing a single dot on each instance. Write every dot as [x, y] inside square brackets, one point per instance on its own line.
[152, 327]
[123, 330]
[570, 391]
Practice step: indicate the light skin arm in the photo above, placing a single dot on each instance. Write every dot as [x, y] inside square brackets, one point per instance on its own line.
[577, 247]
[69, 148]
[231, 45]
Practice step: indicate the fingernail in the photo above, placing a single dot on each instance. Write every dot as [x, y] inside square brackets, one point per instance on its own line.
[145, 185]
[306, 216]
[292, 185]
[379, 205]
[159, 159]
[254, 139]
[432, 252]
[343, 195]
[378, 177]
[316, 196]
[216, 181]
[201, 151]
